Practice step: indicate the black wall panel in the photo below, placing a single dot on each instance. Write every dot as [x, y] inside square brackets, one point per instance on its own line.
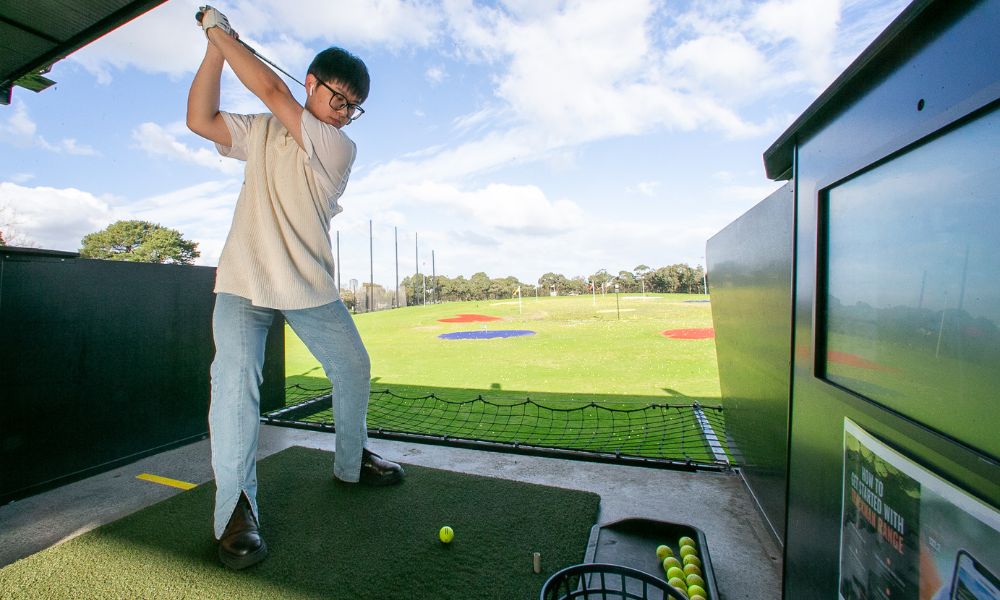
[751, 266]
[936, 75]
[103, 362]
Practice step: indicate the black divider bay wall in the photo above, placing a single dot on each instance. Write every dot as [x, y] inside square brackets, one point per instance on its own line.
[897, 314]
[751, 266]
[103, 362]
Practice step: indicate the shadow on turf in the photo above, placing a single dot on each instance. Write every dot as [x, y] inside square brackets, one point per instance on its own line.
[494, 393]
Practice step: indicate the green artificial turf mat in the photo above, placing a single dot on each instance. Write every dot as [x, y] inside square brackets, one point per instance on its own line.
[328, 540]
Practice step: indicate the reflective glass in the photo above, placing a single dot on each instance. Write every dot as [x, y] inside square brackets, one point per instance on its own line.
[913, 280]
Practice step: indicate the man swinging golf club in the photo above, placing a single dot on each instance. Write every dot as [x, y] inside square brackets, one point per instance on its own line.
[277, 258]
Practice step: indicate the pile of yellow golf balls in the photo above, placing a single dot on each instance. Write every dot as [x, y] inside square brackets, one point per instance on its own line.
[683, 571]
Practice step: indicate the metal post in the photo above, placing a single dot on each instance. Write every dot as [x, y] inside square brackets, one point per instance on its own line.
[617, 304]
[416, 245]
[395, 295]
[371, 269]
[434, 287]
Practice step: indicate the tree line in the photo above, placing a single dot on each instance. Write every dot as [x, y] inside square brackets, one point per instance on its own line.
[676, 278]
[142, 241]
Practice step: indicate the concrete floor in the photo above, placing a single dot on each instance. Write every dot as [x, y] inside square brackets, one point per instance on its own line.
[745, 556]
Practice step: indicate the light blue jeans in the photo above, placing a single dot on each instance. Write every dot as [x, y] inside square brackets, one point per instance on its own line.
[240, 330]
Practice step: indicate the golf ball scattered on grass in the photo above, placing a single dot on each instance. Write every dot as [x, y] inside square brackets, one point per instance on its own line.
[446, 534]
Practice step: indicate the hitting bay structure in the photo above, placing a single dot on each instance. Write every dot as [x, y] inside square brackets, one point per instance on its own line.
[857, 312]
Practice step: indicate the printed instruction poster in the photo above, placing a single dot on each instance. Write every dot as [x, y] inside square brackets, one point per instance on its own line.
[907, 534]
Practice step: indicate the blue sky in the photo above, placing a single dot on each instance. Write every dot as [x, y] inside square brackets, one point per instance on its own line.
[516, 137]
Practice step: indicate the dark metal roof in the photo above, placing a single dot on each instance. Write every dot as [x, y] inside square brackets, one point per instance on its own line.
[890, 48]
[34, 34]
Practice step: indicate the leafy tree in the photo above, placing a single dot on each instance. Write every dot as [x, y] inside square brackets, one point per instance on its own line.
[640, 275]
[139, 241]
[600, 280]
[627, 281]
[578, 285]
[2, 242]
[479, 286]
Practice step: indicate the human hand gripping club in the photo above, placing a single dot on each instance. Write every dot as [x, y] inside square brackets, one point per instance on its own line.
[209, 17]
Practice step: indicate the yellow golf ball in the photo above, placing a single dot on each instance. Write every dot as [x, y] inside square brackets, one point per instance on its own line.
[671, 561]
[692, 559]
[663, 551]
[688, 551]
[686, 541]
[446, 534]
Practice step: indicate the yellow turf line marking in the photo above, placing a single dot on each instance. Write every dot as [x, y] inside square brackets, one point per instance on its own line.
[166, 481]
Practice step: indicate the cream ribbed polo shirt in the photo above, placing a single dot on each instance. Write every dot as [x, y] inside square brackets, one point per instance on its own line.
[278, 252]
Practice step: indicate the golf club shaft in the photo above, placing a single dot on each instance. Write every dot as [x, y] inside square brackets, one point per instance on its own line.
[265, 59]
[198, 16]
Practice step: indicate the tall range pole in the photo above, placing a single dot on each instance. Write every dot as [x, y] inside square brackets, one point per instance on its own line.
[434, 280]
[371, 269]
[395, 296]
[416, 245]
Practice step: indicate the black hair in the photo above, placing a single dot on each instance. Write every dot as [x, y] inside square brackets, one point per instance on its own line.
[337, 64]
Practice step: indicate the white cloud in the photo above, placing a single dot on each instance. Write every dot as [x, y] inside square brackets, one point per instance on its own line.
[202, 213]
[435, 74]
[720, 64]
[393, 23]
[164, 40]
[20, 130]
[501, 208]
[22, 177]
[810, 24]
[19, 126]
[167, 39]
[645, 188]
[159, 141]
[57, 219]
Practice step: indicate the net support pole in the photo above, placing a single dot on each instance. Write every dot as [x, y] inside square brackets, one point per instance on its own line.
[709, 434]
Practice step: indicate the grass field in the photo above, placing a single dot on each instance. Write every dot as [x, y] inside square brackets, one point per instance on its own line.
[581, 351]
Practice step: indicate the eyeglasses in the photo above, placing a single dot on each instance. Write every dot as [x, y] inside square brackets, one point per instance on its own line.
[338, 102]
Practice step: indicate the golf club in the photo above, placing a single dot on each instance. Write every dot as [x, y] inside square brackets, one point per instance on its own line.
[198, 15]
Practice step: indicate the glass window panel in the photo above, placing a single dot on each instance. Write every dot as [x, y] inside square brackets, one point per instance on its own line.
[913, 282]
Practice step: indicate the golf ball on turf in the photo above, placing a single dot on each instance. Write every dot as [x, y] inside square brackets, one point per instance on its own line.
[446, 534]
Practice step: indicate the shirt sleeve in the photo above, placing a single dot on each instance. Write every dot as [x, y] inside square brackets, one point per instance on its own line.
[331, 153]
[239, 131]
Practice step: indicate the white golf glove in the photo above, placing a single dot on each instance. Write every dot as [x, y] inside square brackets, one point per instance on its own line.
[209, 17]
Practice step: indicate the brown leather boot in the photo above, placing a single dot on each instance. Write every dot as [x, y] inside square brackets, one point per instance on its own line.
[376, 470]
[241, 544]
